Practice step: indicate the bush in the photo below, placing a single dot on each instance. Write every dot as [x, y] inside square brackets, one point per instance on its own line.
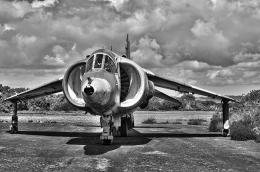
[157, 104]
[240, 131]
[196, 121]
[216, 123]
[63, 106]
[168, 122]
[150, 121]
[60, 103]
[39, 104]
[245, 127]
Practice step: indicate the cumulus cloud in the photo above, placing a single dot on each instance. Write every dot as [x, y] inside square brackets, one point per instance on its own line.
[13, 11]
[195, 65]
[147, 53]
[208, 42]
[46, 3]
[220, 73]
[209, 45]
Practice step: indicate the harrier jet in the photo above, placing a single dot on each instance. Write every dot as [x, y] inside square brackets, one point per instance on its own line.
[112, 86]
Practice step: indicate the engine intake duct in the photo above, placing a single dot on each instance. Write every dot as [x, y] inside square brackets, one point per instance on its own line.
[134, 85]
[125, 83]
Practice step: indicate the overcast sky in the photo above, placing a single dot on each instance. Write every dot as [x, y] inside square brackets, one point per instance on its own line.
[214, 44]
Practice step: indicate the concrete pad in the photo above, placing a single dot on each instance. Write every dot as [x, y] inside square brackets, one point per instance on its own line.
[69, 147]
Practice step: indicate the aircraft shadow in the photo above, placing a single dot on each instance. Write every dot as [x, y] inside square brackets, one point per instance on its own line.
[132, 133]
[60, 133]
[93, 146]
[158, 135]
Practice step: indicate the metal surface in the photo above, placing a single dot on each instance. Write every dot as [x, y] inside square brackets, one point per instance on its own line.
[14, 121]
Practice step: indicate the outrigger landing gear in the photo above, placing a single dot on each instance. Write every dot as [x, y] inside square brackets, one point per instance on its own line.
[14, 122]
[225, 112]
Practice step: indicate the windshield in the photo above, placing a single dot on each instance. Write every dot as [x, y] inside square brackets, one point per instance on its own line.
[89, 64]
[98, 61]
[101, 61]
[109, 65]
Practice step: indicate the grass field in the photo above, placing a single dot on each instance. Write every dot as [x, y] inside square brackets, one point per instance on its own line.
[169, 117]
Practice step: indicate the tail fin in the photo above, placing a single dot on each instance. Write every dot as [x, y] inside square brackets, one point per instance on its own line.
[127, 48]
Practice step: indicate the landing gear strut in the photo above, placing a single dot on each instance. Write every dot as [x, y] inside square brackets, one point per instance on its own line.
[107, 134]
[124, 127]
[225, 109]
[127, 123]
[115, 126]
[14, 122]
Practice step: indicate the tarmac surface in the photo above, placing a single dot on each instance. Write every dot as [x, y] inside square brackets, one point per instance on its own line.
[74, 147]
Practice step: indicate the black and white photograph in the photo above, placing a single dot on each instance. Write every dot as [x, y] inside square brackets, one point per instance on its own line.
[129, 85]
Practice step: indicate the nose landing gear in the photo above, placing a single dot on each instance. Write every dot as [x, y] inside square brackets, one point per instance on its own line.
[107, 134]
[115, 126]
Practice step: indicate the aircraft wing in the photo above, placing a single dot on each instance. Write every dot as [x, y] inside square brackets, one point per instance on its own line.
[182, 87]
[43, 90]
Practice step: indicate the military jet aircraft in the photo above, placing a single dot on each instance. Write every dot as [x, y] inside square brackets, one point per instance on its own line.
[112, 86]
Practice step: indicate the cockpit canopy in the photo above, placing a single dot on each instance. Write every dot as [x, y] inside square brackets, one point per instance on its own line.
[101, 61]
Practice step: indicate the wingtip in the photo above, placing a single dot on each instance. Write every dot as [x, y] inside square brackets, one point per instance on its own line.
[10, 99]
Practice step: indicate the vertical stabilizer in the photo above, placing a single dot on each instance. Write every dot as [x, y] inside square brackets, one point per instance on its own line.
[127, 48]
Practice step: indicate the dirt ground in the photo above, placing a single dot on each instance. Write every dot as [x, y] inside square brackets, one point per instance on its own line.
[71, 146]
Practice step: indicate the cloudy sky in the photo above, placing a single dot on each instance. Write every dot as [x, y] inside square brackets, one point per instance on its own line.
[214, 44]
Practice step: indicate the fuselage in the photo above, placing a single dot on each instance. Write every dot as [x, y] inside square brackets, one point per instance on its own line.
[106, 83]
[100, 83]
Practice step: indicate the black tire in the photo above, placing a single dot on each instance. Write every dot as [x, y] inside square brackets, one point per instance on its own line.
[13, 129]
[225, 133]
[124, 127]
[131, 121]
[106, 142]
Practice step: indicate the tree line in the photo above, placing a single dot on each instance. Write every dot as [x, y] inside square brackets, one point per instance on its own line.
[57, 102]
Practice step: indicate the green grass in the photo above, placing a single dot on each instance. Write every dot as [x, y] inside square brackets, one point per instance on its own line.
[245, 125]
[150, 120]
[196, 121]
[168, 122]
[216, 123]
[241, 131]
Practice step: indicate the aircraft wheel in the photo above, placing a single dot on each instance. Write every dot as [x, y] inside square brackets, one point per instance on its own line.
[131, 121]
[124, 127]
[106, 142]
[13, 129]
[225, 132]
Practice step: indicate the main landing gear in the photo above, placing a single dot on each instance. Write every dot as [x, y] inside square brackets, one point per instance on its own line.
[115, 126]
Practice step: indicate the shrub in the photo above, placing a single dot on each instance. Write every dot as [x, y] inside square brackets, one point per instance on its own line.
[239, 130]
[168, 122]
[165, 122]
[60, 103]
[176, 122]
[39, 104]
[216, 123]
[150, 121]
[245, 128]
[157, 104]
[196, 121]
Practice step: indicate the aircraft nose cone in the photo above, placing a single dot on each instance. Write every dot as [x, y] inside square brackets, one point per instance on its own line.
[89, 90]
